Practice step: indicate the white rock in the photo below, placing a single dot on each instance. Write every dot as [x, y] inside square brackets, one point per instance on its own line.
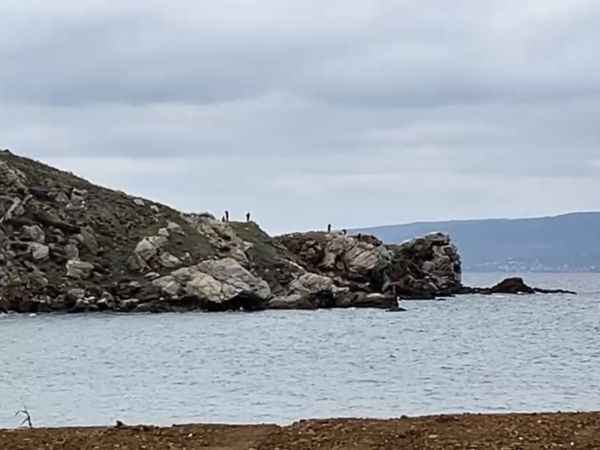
[39, 251]
[205, 286]
[168, 260]
[230, 272]
[355, 255]
[174, 227]
[310, 283]
[158, 241]
[148, 247]
[168, 284]
[216, 281]
[79, 269]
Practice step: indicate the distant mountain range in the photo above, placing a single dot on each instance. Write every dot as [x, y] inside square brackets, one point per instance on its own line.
[569, 242]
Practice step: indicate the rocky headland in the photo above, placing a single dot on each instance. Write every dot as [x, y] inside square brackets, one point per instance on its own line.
[69, 245]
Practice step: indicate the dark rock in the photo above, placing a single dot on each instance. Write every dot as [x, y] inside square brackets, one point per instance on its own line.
[365, 300]
[425, 267]
[513, 285]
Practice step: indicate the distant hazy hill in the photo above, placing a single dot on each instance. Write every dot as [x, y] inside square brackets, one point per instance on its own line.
[569, 242]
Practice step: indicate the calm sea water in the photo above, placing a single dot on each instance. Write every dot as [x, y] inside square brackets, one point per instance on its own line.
[472, 353]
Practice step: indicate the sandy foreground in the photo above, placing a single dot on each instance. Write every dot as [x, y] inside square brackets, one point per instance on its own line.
[510, 431]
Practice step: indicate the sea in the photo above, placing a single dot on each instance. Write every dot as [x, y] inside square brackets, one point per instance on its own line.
[468, 354]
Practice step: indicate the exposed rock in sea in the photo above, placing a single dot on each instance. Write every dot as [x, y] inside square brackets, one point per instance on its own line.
[513, 285]
[69, 245]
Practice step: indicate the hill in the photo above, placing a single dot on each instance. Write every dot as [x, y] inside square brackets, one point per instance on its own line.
[69, 245]
[569, 242]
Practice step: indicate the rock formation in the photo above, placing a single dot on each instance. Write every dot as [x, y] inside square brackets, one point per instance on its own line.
[68, 245]
[512, 286]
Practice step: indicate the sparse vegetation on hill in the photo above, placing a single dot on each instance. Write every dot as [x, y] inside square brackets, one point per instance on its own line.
[69, 245]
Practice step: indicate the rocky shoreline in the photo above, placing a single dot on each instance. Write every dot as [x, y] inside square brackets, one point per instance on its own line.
[576, 431]
[68, 245]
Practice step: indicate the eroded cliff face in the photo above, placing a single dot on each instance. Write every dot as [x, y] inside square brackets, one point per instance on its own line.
[69, 245]
[425, 267]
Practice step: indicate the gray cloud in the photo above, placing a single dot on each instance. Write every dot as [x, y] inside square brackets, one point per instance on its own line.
[351, 112]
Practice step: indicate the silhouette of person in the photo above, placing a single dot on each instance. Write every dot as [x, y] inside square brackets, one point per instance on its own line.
[247, 217]
[226, 216]
[345, 232]
[329, 228]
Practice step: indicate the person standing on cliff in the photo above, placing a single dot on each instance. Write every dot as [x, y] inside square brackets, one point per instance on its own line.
[226, 216]
[247, 217]
[329, 228]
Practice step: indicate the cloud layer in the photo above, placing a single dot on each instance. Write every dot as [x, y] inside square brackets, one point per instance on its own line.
[355, 112]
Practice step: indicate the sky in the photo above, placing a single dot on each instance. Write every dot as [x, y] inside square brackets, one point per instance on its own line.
[305, 113]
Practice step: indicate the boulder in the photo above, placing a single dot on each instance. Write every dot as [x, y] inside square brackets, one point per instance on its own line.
[75, 294]
[106, 301]
[88, 240]
[79, 269]
[129, 304]
[146, 249]
[354, 257]
[169, 261]
[39, 251]
[174, 227]
[424, 267]
[365, 300]
[308, 291]
[71, 251]
[85, 305]
[169, 285]
[219, 284]
[33, 233]
[78, 198]
[310, 283]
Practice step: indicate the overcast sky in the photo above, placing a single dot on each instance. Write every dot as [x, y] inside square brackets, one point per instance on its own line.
[309, 112]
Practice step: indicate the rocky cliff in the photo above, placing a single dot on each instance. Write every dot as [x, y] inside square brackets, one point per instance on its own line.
[69, 245]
